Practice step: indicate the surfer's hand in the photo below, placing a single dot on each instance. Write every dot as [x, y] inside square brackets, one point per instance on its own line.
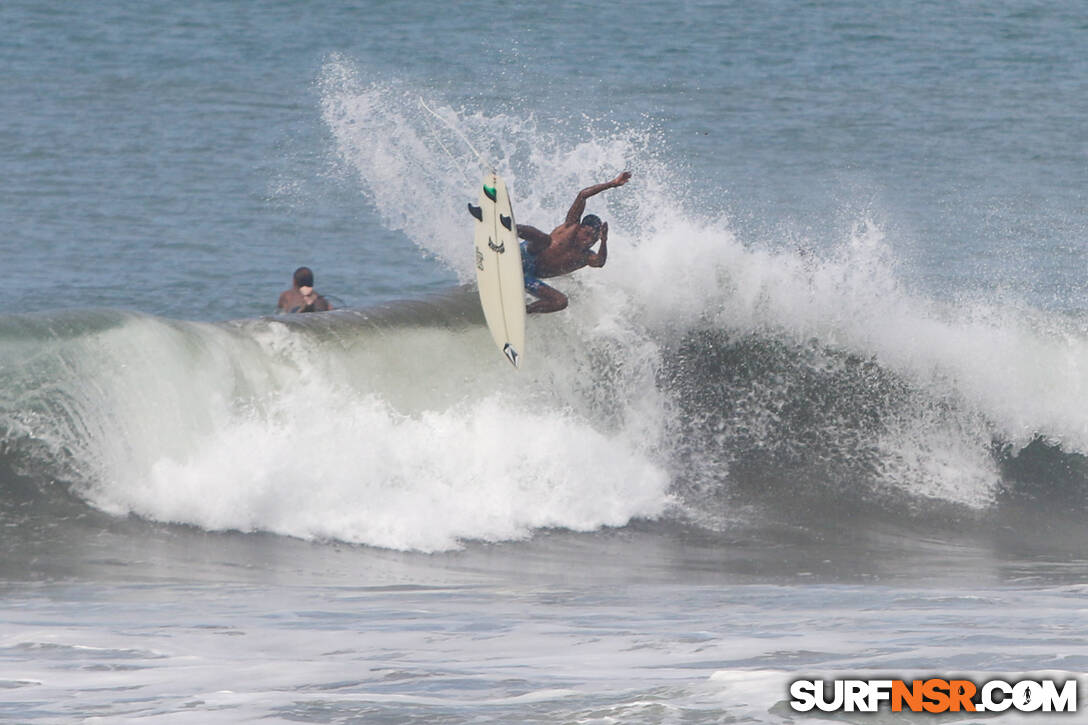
[604, 232]
[622, 179]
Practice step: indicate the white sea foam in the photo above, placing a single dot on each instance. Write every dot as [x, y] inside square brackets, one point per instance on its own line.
[273, 431]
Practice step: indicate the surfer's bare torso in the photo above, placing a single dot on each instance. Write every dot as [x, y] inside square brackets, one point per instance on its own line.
[568, 248]
[566, 252]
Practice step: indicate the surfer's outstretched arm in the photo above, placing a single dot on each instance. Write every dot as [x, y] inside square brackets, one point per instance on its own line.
[578, 208]
[538, 240]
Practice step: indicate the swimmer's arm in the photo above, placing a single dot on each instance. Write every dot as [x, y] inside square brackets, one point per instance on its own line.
[578, 208]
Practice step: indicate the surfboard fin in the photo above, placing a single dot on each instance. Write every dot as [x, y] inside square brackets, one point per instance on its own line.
[489, 192]
[511, 354]
[507, 222]
[477, 212]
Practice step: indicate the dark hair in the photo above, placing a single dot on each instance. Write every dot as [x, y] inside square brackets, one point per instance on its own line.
[592, 220]
[304, 277]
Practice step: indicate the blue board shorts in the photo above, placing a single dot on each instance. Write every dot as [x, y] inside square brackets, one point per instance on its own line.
[533, 285]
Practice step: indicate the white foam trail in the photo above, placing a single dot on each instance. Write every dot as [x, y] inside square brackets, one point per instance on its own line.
[389, 142]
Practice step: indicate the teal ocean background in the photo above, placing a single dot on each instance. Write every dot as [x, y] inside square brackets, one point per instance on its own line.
[821, 414]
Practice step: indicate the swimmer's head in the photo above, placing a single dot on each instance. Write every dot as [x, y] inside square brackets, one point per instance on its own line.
[304, 277]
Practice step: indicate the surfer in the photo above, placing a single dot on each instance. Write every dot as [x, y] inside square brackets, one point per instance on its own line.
[568, 248]
[302, 297]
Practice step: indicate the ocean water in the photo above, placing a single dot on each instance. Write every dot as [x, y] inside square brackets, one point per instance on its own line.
[822, 414]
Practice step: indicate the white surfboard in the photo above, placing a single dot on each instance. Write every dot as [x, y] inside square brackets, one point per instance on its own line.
[498, 268]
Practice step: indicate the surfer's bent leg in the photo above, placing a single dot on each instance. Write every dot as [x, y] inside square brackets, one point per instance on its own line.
[548, 299]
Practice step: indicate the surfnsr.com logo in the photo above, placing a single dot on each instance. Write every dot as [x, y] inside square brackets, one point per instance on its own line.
[934, 695]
